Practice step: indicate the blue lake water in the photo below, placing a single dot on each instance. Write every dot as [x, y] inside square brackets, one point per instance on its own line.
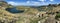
[14, 10]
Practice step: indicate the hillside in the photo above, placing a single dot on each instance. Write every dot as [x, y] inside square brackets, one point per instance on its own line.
[29, 14]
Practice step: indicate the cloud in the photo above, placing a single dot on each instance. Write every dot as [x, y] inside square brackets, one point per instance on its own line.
[28, 3]
[45, 0]
[42, 0]
[18, 3]
[36, 3]
[1, 0]
[12, 3]
[32, 3]
[51, 0]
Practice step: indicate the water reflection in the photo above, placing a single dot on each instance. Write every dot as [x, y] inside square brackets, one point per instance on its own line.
[14, 10]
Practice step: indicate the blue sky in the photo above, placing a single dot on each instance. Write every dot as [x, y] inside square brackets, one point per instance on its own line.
[32, 2]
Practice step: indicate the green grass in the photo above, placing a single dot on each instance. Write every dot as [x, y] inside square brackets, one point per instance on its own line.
[57, 16]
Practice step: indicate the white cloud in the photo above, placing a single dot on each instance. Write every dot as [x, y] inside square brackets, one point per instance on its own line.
[51, 0]
[45, 0]
[42, 0]
[32, 3]
[1, 0]
[36, 3]
[15, 3]
[12, 3]
[29, 3]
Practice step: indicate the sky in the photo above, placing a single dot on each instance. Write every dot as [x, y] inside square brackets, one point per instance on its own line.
[32, 2]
